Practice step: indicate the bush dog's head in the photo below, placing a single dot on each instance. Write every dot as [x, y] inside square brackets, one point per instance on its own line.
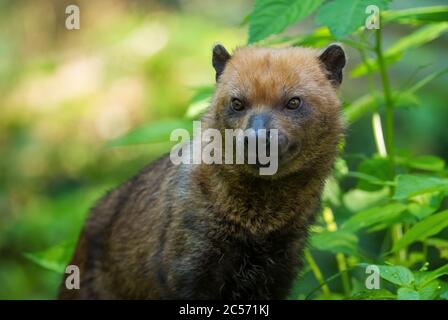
[292, 90]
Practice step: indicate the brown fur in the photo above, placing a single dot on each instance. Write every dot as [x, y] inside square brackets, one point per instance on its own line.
[221, 231]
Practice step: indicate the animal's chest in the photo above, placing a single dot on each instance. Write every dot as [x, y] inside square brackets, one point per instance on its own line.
[256, 270]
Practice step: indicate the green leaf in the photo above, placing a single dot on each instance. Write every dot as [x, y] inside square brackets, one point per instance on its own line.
[371, 65]
[444, 295]
[424, 278]
[335, 242]
[417, 38]
[343, 17]
[361, 106]
[273, 16]
[423, 82]
[378, 168]
[202, 93]
[319, 38]
[399, 275]
[54, 258]
[407, 294]
[376, 294]
[414, 15]
[154, 132]
[424, 205]
[372, 216]
[426, 228]
[245, 20]
[356, 200]
[431, 290]
[428, 163]
[195, 110]
[411, 185]
[412, 41]
[367, 104]
[199, 102]
[405, 99]
[420, 211]
[370, 179]
[332, 192]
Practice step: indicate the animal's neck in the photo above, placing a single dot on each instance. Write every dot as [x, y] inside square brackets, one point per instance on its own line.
[259, 205]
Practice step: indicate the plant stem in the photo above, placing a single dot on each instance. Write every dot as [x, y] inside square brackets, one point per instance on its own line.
[397, 230]
[316, 271]
[342, 267]
[388, 101]
[378, 133]
[397, 234]
[340, 258]
[376, 118]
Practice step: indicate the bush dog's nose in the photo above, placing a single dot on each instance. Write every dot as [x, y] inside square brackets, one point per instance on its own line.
[258, 122]
[261, 121]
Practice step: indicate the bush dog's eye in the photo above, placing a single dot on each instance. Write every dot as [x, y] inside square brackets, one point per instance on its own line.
[237, 104]
[294, 103]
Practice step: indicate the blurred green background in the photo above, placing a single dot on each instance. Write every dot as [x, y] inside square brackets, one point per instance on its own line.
[66, 94]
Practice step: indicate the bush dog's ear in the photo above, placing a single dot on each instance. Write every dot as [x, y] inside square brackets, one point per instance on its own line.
[333, 61]
[219, 60]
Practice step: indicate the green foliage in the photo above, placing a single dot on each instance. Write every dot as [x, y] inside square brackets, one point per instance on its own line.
[407, 294]
[343, 17]
[426, 228]
[319, 38]
[404, 284]
[60, 107]
[152, 133]
[412, 185]
[397, 275]
[273, 16]
[420, 285]
[427, 163]
[387, 209]
[199, 102]
[417, 15]
[377, 168]
[394, 53]
[385, 215]
[339, 241]
[369, 103]
[54, 258]
[398, 196]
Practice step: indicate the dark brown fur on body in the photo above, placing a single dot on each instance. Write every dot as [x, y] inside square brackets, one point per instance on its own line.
[222, 231]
